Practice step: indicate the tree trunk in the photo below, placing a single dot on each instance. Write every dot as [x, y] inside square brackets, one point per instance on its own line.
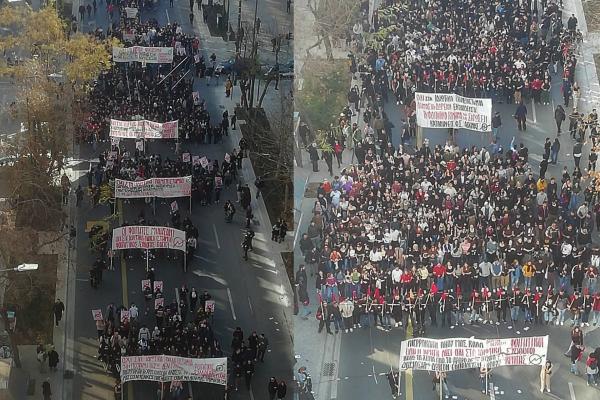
[264, 92]
[328, 50]
[252, 80]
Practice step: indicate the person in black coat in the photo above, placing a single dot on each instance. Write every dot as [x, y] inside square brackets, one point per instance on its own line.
[281, 390]
[272, 388]
[314, 157]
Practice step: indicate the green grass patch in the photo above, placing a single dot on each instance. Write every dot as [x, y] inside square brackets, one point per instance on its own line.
[324, 92]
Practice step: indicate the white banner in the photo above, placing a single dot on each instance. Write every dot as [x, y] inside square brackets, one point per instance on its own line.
[439, 110]
[131, 12]
[154, 187]
[163, 368]
[144, 129]
[150, 55]
[148, 237]
[461, 353]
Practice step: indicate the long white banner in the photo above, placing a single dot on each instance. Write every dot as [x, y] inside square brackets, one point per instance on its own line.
[150, 55]
[144, 129]
[439, 110]
[148, 237]
[462, 353]
[163, 368]
[154, 187]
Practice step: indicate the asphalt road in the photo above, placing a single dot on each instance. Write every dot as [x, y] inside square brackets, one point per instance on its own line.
[245, 292]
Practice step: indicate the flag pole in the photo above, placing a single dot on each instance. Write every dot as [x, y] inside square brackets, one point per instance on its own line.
[147, 261]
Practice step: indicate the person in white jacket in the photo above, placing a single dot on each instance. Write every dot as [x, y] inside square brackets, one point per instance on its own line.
[347, 309]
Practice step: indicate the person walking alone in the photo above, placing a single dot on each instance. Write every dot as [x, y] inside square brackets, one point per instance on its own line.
[545, 377]
[58, 309]
[559, 116]
[521, 116]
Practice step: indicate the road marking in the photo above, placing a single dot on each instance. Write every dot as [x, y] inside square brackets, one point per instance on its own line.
[251, 394]
[205, 259]
[533, 110]
[491, 391]
[210, 276]
[374, 374]
[82, 280]
[250, 304]
[216, 237]
[298, 228]
[231, 304]
[167, 12]
[572, 391]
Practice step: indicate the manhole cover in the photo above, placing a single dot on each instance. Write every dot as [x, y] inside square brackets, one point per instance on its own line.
[328, 369]
[311, 189]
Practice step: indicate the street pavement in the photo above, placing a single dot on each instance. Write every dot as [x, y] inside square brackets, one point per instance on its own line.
[362, 358]
[253, 295]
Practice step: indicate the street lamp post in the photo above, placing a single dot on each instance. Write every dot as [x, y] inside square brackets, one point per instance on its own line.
[22, 268]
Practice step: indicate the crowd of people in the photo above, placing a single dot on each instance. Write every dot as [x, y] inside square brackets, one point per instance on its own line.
[442, 235]
[129, 91]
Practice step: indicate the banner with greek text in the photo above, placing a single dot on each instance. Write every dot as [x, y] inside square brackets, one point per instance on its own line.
[150, 55]
[154, 187]
[163, 368]
[440, 110]
[144, 129]
[462, 353]
[148, 237]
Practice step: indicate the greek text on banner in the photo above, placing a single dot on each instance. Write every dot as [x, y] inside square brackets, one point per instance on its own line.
[148, 237]
[150, 55]
[144, 129]
[462, 353]
[163, 368]
[440, 110]
[154, 187]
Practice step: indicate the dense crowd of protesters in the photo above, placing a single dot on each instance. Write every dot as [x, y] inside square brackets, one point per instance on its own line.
[444, 235]
[129, 91]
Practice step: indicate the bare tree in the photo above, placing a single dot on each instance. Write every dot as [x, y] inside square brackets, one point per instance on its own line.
[333, 18]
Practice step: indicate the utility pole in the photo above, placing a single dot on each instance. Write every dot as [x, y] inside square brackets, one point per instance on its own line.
[238, 42]
[254, 54]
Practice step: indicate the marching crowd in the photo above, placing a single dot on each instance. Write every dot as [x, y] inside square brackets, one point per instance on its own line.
[448, 236]
[183, 327]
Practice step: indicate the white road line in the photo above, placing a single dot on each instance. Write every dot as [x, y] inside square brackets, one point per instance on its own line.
[533, 110]
[250, 304]
[251, 394]
[491, 391]
[167, 12]
[205, 259]
[231, 304]
[572, 391]
[298, 228]
[374, 374]
[216, 237]
[190, 390]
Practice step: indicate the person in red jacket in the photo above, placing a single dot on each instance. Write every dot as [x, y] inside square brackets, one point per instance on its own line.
[439, 271]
